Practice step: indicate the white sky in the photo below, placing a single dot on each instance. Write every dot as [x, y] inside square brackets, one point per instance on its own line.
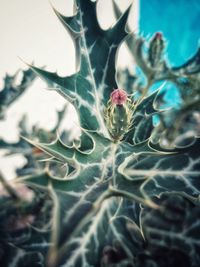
[30, 30]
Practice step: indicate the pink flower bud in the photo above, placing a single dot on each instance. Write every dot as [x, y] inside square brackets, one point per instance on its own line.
[158, 36]
[118, 96]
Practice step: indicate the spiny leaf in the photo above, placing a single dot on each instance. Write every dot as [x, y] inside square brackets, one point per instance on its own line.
[89, 89]
[142, 124]
[160, 173]
[172, 230]
[11, 91]
[73, 154]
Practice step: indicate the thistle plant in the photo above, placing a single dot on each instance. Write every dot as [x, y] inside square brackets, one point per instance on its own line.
[124, 200]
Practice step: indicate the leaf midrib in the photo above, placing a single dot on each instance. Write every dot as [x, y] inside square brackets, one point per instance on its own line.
[97, 103]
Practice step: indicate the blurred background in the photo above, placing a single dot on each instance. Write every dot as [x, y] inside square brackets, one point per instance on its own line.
[30, 31]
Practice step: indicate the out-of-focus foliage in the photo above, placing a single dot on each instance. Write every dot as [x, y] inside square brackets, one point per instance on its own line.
[12, 90]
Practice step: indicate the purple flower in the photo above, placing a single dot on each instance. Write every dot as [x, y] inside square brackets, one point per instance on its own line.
[118, 97]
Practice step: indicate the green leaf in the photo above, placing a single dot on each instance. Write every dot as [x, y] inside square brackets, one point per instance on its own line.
[13, 256]
[22, 243]
[142, 124]
[178, 171]
[135, 171]
[171, 233]
[11, 91]
[89, 89]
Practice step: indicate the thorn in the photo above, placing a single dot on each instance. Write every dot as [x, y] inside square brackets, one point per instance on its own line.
[29, 65]
[117, 10]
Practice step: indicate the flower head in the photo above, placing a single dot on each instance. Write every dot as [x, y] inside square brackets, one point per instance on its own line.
[118, 97]
[158, 35]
